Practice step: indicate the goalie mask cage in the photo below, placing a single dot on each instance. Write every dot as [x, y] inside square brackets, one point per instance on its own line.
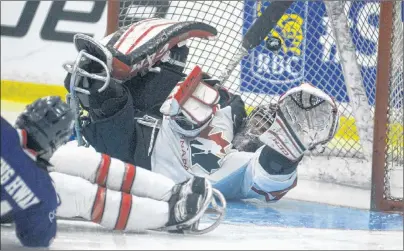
[353, 51]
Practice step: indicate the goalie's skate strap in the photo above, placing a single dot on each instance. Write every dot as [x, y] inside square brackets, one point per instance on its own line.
[281, 138]
[139, 46]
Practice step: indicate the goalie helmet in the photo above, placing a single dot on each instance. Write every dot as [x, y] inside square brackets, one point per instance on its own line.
[258, 121]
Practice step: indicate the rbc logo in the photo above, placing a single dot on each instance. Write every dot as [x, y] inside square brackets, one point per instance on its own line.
[287, 65]
[268, 72]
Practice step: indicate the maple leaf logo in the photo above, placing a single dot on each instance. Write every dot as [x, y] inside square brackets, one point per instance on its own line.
[217, 137]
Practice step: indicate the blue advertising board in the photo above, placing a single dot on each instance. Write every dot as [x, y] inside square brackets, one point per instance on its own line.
[309, 52]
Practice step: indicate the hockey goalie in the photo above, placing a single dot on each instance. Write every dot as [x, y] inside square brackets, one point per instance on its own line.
[133, 104]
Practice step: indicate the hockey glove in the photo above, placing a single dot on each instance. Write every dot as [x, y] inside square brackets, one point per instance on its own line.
[306, 118]
[48, 123]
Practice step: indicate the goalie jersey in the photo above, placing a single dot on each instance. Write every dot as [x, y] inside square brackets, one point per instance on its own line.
[237, 174]
[27, 193]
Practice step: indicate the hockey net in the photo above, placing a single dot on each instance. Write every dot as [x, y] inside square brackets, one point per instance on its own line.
[310, 53]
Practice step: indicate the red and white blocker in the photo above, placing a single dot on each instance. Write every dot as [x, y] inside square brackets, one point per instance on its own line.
[108, 191]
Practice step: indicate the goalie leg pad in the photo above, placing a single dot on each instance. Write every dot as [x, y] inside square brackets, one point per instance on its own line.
[109, 172]
[283, 140]
[109, 208]
[122, 211]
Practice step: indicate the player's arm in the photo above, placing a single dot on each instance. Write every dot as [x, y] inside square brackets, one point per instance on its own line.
[28, 196]
[305, 118]
[21, 177]
[41, 128]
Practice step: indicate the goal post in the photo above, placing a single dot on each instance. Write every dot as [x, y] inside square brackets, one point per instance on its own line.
[373, 139]
[112, 16]
[366, 80]
[381, 199]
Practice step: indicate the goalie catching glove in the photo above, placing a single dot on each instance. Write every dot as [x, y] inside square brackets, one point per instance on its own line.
[305, 118]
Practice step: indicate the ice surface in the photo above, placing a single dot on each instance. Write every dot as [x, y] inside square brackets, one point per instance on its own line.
[288, 224]
[83, 235]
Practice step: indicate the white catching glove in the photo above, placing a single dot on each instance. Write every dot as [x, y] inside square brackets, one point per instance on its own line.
[306, 117]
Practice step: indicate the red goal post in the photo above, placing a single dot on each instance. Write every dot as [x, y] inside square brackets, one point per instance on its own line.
[380, 198]
[385, 137]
